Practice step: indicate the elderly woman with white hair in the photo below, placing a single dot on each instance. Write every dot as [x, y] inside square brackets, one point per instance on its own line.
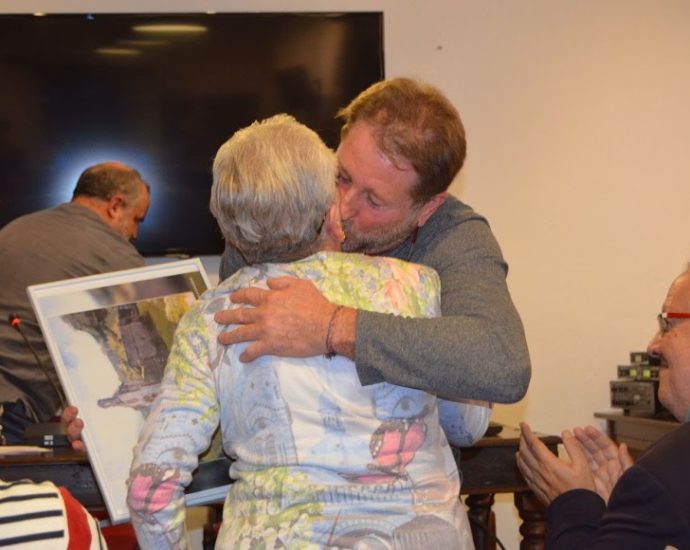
[319, 460]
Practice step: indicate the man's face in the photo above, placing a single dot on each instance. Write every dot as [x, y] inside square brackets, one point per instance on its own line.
[376, 207]
[674, 349]
[130, 214]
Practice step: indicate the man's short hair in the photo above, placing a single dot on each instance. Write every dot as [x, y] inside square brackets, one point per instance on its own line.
[273, 183]
[416, 122]
[103, 181]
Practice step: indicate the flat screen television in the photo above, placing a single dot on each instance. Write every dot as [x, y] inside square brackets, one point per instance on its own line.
[161, 92]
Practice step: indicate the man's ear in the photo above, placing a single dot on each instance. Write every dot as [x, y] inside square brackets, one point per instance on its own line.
[430, 207]
[114, 205]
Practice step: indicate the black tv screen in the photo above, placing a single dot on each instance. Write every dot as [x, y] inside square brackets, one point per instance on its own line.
[161, 93]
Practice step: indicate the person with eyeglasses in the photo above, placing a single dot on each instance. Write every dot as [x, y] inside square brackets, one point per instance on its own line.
[600, 499]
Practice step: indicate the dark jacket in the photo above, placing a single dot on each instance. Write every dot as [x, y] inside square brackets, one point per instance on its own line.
[649, 506]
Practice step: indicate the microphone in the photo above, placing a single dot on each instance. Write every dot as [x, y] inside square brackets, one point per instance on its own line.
[16, 323]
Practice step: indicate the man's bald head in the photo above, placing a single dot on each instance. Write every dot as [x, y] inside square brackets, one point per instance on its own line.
[117, 193]
[104, 180]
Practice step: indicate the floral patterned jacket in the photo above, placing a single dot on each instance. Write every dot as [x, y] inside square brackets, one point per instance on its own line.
[320, 461]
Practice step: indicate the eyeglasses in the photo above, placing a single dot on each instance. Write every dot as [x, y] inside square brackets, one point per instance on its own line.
[665, 320]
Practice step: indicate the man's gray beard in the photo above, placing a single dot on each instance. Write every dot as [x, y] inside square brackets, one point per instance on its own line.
[376, 243]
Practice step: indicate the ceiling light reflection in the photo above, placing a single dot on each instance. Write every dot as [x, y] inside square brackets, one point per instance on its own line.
[143, 43]
[118, 51]
[171, 28]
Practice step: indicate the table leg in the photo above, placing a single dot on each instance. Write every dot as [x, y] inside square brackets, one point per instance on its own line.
[482, 521]
[533, 528]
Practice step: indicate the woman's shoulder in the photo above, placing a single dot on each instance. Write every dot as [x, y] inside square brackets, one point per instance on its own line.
[379, 266]
[374, 283]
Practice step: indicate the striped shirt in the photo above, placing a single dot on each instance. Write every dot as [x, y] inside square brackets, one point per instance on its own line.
[41, 515]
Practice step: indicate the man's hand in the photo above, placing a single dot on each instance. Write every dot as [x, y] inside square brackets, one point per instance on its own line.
[291, 319]
[73, 426]
[547, 475]
[607, 461]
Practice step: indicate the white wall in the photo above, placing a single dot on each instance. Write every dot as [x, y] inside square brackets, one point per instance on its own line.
[579, 131]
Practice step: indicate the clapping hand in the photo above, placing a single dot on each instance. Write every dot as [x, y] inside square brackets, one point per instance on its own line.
[607, 461]
[547, 475]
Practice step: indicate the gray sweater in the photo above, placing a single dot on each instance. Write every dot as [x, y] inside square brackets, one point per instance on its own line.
[60, 243]
[477, 350]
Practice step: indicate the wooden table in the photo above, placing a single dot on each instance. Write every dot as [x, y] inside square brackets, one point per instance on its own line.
[637, 432]
[63, 467]
[488, 468]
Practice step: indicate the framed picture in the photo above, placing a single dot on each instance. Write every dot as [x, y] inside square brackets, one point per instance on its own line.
[109, 337]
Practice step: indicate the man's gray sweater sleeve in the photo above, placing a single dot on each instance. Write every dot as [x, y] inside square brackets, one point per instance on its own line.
[477, 349]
